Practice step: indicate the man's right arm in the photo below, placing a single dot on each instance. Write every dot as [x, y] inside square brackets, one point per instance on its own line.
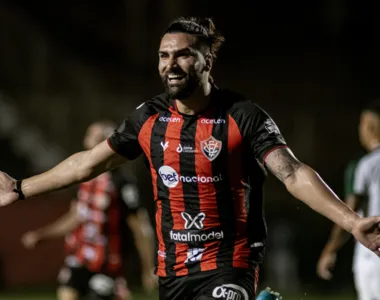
[79, 167]
[82, 166]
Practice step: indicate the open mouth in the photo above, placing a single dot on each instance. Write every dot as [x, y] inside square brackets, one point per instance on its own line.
[175, 78]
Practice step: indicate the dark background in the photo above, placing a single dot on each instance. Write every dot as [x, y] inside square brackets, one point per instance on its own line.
[65, 64]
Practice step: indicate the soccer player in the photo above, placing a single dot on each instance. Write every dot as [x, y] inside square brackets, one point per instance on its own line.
[363, 195]
[93, 227]
[208, 151]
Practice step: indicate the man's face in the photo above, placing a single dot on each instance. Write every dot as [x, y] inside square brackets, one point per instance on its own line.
[367, 126]
[181, 65]
[94, 135]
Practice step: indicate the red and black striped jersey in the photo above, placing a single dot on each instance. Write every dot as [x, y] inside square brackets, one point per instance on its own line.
[207, 174]
[102, 206]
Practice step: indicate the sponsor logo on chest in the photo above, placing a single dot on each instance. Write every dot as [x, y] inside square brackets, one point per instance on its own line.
[213, 121]
[171, 178]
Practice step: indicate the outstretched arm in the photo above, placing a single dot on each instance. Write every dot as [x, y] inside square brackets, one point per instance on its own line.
[306, 185]
[80, 167]
[338, 237]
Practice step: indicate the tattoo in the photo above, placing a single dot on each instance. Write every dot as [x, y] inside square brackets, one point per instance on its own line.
[282, 163]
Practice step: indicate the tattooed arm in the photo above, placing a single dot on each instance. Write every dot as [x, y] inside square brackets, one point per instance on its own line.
[306, 185]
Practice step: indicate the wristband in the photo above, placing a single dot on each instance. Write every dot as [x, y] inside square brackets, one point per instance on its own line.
[18, 190]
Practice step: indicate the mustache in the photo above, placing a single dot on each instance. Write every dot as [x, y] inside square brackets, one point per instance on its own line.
[181, 73]
[175, 71]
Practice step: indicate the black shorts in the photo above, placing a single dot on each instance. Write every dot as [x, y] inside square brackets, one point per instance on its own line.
[95, 286]
[230, 284]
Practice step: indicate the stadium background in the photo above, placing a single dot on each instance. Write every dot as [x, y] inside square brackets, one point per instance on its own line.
[64, 64]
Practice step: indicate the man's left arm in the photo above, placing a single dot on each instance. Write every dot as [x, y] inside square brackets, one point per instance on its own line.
[306, 185]
[263, 138]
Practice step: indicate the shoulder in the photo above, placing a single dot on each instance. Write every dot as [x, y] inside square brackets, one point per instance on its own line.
[368, 165]
[244, 111]
[146, 110]
[154, 105]
[237, 104]
[369, 161]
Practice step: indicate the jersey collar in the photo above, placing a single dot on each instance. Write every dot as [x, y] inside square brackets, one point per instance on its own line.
[206, 113]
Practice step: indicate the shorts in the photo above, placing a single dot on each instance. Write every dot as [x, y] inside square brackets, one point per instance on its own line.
[96, 286]
[230, 284]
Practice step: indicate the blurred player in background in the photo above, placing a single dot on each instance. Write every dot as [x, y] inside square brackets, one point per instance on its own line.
[93, 227]
[362, 189]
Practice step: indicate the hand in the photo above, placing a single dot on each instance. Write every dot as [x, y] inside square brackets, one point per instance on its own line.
[367, 232]
[30, 239]
[7, 184]
[122, 292]
[326, 264]
[149, 281]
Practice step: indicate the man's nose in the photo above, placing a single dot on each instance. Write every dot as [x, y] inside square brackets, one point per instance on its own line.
[172, 63]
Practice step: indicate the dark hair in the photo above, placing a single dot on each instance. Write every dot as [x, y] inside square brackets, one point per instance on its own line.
[373, 107]
[203, 28]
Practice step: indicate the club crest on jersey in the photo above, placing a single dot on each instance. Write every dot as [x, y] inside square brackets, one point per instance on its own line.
[211, 148]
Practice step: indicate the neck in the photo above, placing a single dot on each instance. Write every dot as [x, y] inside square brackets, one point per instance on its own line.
[196, 103]
[374, 144]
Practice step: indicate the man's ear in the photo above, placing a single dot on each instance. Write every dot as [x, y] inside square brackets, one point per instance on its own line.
[209, 61]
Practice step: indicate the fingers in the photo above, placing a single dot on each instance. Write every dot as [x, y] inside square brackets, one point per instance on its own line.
[325, 273]
[375, 246]
[8, 198]
[150, 283]
[28, 243]
[324, 270]
[369, 222]
[29, 240]
[375, 249]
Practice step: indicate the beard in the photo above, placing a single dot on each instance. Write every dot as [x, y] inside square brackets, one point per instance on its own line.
[183, 89]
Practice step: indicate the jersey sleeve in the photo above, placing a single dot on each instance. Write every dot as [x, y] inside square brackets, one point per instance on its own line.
[361, 179]
[124, 141]
[260, 133]
[349, 178]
